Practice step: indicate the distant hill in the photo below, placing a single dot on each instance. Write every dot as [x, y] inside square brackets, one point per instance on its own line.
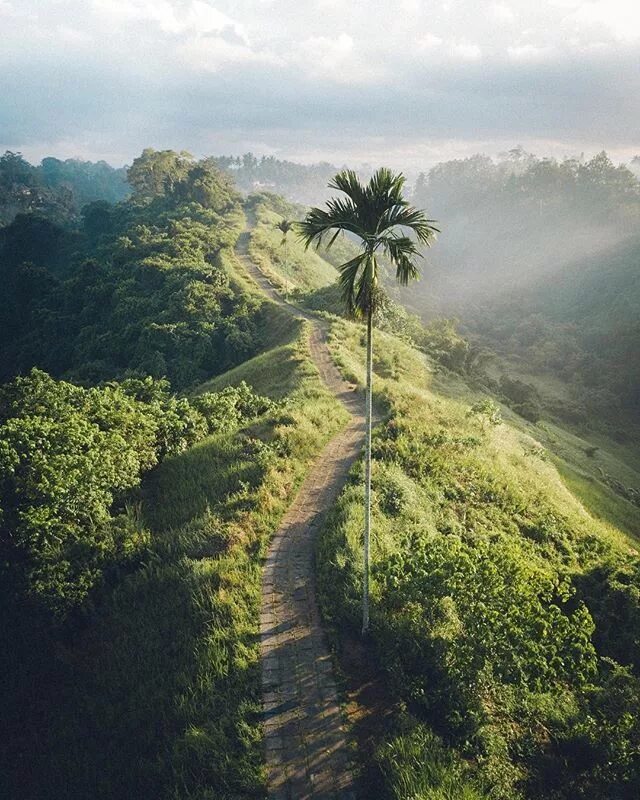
[539, 260]
[55, 188]
[581, 324]
[507, 224]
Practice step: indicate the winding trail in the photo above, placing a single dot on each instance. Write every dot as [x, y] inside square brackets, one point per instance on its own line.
[306, 750]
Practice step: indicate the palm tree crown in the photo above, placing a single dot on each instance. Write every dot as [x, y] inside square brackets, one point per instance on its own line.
[284, 226]
[380, 216]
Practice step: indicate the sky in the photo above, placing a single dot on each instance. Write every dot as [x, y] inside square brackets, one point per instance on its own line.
[405, 83]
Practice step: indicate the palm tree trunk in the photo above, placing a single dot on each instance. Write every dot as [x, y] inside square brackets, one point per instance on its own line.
[286, 266]
[367, 479]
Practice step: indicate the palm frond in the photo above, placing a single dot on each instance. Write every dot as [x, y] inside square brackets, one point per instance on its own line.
[340, 214]
[350, 280]
[402, 251]
[386, 186]
[403, 215]
[348, 182]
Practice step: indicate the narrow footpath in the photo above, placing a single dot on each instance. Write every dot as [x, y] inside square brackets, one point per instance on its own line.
[306, 750]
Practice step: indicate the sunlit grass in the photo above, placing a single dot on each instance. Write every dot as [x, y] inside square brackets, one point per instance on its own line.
[418, 766]
[498, 483]
[298, 269]
[160, 695]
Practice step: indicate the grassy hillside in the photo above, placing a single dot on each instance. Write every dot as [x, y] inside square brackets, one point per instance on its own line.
[576, 334]
[147, 681]
[503, 594]
[506, 578]
[292, 268]
[158, 694]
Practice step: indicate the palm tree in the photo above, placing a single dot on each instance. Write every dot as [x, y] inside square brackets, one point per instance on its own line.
[381, 218]
[284, 226]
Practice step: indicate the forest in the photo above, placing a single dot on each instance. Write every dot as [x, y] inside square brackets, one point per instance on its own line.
[554, 284]
[159, 413]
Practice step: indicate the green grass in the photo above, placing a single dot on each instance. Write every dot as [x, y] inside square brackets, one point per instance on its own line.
[302, 270]
[418, 766]
[601, 502]
[450, 482]
[273, 373]
[157, 695]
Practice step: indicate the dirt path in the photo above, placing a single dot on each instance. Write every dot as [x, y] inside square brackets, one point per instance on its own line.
[306, 750]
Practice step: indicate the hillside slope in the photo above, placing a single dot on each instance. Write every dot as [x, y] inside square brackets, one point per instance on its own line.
[157, 693]
[147, 684]
[538, 260]
[506, 579]
[506, 569]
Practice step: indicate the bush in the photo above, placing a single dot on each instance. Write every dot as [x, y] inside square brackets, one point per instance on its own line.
[224, 410]
[487, 411]
[66, 455]
[69, 457]
[452, 612]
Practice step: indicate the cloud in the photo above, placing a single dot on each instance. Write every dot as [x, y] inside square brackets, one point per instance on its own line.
[429, 40]
[501, 12]
[337, 59]
[328, 76]
[466, 50]
[620, 17]
[196, 17]
[527, 52]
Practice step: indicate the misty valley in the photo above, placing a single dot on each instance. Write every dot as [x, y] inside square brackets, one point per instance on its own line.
[221, 378]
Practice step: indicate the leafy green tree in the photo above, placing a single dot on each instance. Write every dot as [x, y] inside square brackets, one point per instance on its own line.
[66, 454]
[156, 172]
[70, 456]
[443, 343]
[205, 184]
[380, 217]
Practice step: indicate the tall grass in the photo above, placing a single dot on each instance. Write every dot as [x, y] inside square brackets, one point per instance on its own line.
[156, 693]
[417, 766]
[491, 497]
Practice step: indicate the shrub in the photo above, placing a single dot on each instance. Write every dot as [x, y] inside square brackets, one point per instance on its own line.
[487, 411]
[69, 457]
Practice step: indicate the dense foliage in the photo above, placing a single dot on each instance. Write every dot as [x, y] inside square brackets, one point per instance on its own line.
[69, 457]
[57, 189]
[505, 616]
[139, 288]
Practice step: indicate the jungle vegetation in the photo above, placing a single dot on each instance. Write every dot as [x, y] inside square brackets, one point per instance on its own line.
[156, 417]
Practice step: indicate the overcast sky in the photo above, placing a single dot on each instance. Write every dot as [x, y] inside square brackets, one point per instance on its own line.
[404, 83]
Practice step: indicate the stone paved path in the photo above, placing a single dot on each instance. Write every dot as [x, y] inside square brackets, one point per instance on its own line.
[306, 749]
